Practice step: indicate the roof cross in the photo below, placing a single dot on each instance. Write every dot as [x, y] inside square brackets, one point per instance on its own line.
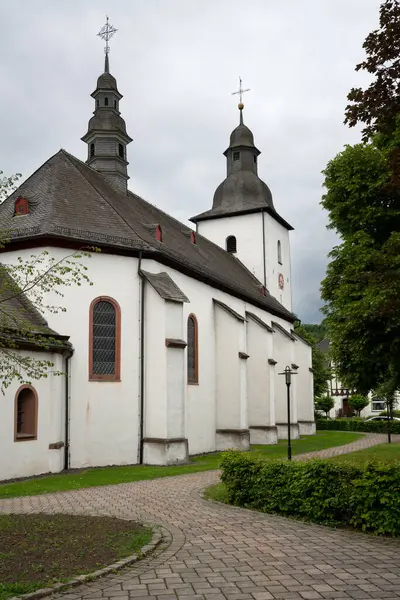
[240, 91]
[106, 33]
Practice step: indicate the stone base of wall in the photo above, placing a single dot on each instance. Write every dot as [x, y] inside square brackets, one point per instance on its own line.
[283, 431]
[232, 439]
[263, 434]
[160, 451]
[307, 427]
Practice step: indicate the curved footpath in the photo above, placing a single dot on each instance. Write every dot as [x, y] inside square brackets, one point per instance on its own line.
[218, 552]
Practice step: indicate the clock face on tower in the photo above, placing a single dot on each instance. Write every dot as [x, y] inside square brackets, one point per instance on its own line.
[281, 281]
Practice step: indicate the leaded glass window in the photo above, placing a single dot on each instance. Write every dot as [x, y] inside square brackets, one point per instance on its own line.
[104, 343]
[192, 350]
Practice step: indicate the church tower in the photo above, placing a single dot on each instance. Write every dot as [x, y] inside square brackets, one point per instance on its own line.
[243, 219]
[106, 137]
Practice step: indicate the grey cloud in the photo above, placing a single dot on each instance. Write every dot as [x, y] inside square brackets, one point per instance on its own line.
[176, 63]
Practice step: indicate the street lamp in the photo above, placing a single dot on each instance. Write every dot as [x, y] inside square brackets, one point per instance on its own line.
[288, 380]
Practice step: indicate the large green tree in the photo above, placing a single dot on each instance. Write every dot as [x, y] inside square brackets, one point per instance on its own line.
[42, 280]
[362, 285]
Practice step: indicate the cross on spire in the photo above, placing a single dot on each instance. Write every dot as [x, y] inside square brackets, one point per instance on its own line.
[241, 91]
[106, 33]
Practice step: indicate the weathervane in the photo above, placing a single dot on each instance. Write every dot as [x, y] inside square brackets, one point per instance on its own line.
[240, 91]
[106, 33]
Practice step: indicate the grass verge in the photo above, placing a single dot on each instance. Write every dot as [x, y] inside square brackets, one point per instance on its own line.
[387, 453]
[37, 551]
[114, 475]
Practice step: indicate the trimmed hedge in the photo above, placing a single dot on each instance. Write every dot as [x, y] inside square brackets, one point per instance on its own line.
[357, 425]
[365, 497]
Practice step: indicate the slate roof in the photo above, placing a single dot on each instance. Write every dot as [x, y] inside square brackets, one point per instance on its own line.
[165, 286]
[72, 202]
[324, 345]
[20, 321]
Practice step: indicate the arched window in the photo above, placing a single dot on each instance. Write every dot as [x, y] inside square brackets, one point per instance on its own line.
[97, 103]
[121, 151]
[115, 104]
[236, 156]
[91, 149]
[26, 409]
[104, 340]
[192, 351]
[279, 252]
[231, 244]
[106, 101]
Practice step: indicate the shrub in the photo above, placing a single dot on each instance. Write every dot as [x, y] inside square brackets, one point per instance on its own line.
[365, 497]
[357, 425]
[358, 403]
[395, 413]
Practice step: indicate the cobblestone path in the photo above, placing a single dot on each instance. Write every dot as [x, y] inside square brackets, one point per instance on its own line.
[218, 552]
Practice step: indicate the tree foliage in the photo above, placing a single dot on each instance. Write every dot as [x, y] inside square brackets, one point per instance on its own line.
[362, 284]
[358, 402]
[378, 105]
[317, 330]
[319, 362]
[37, 278]
[324, 404]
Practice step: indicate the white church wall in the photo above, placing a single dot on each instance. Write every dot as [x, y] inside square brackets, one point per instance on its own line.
[27, 457]
[304, 388]
[249, 237]
[104, 415]
[275, 232]
[282, 350]
[260, 398]
[155, 418]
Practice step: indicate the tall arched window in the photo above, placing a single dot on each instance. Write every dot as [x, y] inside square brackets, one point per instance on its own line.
[26, 410]
[192, 351]
[279, 252]
[104, 340]
[231, 245]
[106, 101]
[91, 149]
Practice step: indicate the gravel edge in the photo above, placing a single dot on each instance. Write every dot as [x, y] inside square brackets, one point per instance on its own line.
[88, 577]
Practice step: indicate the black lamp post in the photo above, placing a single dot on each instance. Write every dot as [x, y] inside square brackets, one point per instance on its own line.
[288, 380]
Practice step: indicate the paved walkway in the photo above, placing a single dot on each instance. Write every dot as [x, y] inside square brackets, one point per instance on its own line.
[218, 552]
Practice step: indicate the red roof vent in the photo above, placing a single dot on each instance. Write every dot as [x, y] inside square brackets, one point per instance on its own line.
[263, 291]
[158, 233]
[193, 237]
[21, 206]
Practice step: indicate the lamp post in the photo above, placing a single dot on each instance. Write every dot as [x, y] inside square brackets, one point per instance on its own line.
[288, 380]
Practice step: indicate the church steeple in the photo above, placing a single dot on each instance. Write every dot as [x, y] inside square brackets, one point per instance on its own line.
[106, 136]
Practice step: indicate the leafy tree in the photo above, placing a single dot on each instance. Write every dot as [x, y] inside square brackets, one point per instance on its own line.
[378, 106]
[37, 279]
[317, 330]
[324, 404]
[362, 285]
[319, 362]
[358, 402]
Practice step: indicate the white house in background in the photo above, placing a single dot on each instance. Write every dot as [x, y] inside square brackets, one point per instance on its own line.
[177, 347]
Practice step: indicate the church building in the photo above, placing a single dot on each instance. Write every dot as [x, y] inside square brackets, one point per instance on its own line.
[178, 346]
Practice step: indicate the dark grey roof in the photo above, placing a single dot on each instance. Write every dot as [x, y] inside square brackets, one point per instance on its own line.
[282, 330]
[229, 310]
[106, 81]
[20, 321]
[70, 201]
[242, 192]
[241, 136]
[259, 321]
[165, 286]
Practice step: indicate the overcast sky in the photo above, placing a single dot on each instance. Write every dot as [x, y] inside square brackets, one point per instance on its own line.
[176, 63]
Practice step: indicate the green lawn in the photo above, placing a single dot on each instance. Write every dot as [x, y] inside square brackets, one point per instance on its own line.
[384, 453]
[114, 475]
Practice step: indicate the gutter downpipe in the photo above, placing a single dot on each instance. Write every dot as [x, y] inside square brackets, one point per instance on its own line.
[67, 356]
[141, 416]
